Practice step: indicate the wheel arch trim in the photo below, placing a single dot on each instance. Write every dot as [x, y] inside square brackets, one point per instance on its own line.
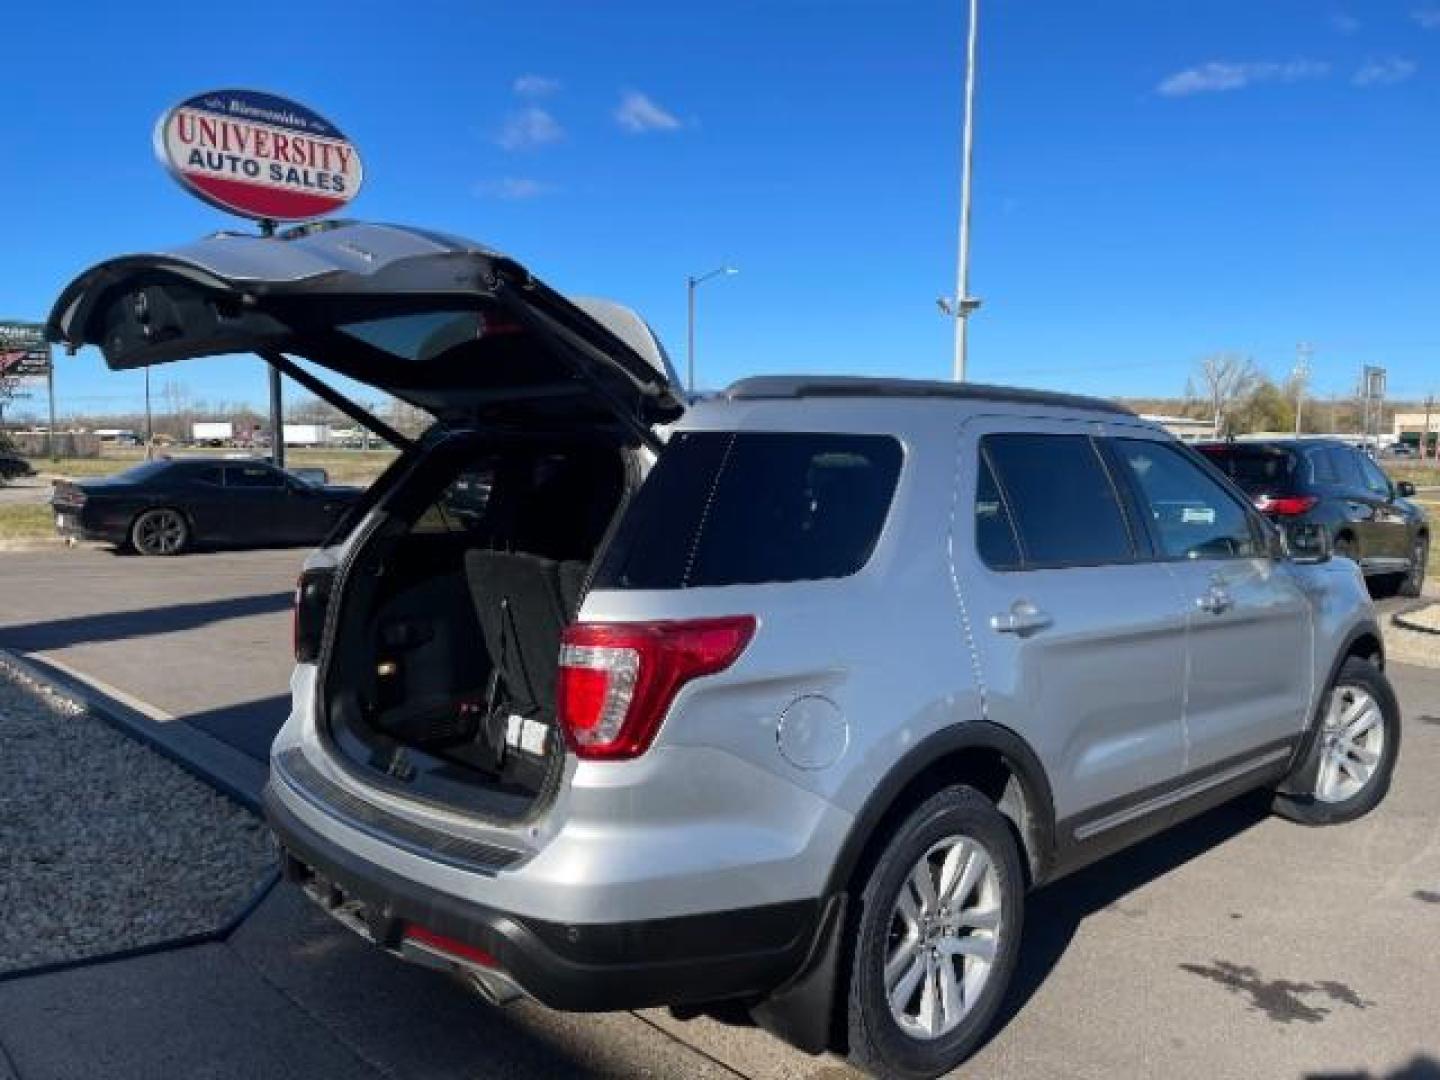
[1037, 835]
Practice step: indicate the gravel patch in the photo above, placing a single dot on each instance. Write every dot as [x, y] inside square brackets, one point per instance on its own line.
[104, 844]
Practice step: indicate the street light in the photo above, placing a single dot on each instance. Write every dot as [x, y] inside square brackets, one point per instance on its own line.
[690, 283]
[964, 304]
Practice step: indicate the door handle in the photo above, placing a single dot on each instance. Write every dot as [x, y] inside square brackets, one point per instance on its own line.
[1021, 619]
[1215, 601]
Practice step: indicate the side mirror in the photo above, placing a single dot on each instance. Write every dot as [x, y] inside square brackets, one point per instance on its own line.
[1405, 489]
[1308, 543]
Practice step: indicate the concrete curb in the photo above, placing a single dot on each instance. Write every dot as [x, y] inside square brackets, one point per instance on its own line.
[218, 764]
[1399, 618]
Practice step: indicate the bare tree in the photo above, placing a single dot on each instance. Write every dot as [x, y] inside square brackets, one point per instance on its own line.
[1225, 379]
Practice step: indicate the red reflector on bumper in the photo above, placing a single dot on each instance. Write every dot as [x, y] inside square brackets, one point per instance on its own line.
[449, 945]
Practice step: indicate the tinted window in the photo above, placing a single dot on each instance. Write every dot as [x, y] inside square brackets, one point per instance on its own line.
[463, 504]
[1375, 481]
[1256, 468]
[1064, 506]
[1194, 517]
[1321, 467]
[731, 508]
[419, 336]
[995, 538]
[252, 476]
[1346, 466]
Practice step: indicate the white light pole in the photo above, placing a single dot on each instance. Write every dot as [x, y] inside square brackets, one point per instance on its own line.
[691, 283]
[965, 304]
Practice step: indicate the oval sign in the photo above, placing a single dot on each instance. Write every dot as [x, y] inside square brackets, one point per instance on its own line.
[258, 155]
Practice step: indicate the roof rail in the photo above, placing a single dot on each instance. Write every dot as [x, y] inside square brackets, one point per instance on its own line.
[763, 387]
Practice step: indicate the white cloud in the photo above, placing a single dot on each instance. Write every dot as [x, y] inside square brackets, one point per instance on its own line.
[528, 128]
[1428, 18]
[514, 188]
[535, 86]
[638, 114]
[1386, 71]
[1344, 24]
[1219, 75]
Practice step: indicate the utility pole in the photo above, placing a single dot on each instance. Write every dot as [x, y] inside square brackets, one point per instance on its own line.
[1303, 351]
[964, 303]
[1425, 439]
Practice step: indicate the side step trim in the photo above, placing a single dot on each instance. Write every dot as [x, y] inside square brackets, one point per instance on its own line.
[1170, 798]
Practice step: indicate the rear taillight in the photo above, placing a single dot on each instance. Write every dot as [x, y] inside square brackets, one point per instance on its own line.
[617, 680]
[1285, 505]
[312, 600]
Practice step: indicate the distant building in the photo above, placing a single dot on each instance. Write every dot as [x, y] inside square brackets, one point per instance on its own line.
[1410, 427]
[117, 436]
[1185, 428]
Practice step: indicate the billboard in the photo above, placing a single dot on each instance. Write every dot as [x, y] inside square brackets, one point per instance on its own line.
[258, 155]
[24, 352]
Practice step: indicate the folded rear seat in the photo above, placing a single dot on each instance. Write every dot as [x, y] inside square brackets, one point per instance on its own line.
[523, 603]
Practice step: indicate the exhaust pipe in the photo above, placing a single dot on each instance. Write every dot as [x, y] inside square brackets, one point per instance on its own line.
[491, 984]
[494, 987]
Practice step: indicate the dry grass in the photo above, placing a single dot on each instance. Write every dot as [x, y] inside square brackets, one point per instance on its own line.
[26, 523]
[344, 466]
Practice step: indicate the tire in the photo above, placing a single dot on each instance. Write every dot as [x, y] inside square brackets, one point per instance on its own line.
[163, 531]
[1344, 786]
[939, 840]
[1413, 583]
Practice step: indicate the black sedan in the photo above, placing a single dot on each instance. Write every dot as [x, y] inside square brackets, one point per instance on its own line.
[12, 467]
[168, 506]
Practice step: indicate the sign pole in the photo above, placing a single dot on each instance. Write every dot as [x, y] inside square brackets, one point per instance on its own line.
[277, 390]
[50, 390]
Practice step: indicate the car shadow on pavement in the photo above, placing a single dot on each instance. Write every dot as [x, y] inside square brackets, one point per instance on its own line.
[140, 622]
[1420, 1067]
[1053, 914]
[249, 727]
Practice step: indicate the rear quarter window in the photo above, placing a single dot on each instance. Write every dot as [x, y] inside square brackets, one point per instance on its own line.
[732, 508]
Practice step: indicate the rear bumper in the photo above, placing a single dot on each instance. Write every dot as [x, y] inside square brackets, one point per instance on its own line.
[586, 967]
[75, 524]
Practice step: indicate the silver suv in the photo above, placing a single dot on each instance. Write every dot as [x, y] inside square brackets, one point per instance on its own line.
[786, 698]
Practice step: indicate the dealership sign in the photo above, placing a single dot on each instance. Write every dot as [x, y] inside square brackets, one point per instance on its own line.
[258, 155]
[24, 352]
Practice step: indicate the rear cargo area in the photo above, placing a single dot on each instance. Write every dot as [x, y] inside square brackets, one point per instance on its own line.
[439, 678]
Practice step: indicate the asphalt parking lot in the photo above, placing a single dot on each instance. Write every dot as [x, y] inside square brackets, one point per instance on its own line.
[1235, 946]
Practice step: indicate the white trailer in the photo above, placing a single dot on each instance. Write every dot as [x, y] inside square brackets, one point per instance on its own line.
[307, 434]
[212, 432]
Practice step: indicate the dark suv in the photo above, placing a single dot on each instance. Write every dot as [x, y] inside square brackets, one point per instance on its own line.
[1325, 482]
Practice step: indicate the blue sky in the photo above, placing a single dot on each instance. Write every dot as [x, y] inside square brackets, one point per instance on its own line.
[1156, 179]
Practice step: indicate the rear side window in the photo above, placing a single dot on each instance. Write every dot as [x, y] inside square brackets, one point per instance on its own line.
[1321, 466]
[1346, 466]
[995, 537]
[252, 476]
[723, 508]
[1065, 508]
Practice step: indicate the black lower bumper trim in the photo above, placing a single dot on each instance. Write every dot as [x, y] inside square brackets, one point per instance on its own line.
[584, 967]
